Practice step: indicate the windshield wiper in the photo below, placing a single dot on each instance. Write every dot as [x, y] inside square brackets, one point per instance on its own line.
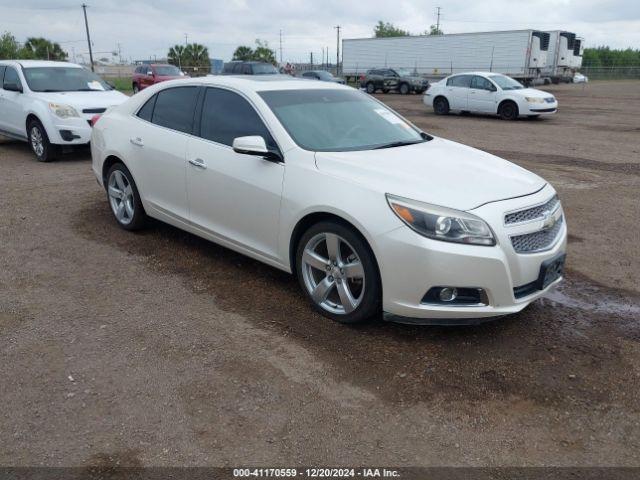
[400, 143]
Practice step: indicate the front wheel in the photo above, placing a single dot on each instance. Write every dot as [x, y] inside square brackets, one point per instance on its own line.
[338, 273]
[508, 111]
[136, 89]
[43, 149]
[124, 198]
[404, 89]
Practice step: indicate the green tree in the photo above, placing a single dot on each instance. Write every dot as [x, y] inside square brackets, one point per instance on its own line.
[243, 53]
[9, 47]
[176, 55]
[42, 49]
[606, 57]
[434, 30]
[387, 29]
[263, 53]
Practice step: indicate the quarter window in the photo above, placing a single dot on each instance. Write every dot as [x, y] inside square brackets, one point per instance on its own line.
[227, 115]
[174, 108]
[146, 112]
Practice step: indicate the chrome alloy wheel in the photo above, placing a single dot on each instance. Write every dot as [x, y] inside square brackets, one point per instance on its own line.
[37, 142]
[121, 197]
[333, 273]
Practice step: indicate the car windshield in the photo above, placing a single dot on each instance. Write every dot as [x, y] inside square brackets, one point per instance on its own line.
[506, 83]
[324, 75]
[168, 71]
[263, 69]
[404, 72]
[339, 120]
[63, 79]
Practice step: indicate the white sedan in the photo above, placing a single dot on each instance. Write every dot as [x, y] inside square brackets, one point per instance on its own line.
[490, 93]
[321, 180]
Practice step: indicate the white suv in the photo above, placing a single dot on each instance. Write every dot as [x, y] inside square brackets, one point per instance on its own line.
[50, 104]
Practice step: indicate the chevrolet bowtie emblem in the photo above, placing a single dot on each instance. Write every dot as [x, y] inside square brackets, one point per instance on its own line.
[550, 219]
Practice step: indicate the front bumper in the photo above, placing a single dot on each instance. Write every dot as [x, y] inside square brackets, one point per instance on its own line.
[70, 131]
[411, 264]
[540, 108]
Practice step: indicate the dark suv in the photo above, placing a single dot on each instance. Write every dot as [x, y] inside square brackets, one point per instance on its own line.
[401, 80]
[238, 67]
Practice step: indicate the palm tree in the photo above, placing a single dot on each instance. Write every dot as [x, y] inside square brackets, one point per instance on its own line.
[197, 57]
[243, 53]
[42, 49]
[175, 55]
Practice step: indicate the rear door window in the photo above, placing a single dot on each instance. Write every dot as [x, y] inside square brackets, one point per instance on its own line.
[463, 81]
[175, 107]
[2, 68]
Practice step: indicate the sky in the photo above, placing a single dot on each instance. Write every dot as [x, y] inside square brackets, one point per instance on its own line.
[143, 29]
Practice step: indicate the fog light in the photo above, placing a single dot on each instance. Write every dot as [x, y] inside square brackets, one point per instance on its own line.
[448, 294]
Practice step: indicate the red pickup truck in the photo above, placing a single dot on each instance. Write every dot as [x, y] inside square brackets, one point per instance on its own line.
[147, 75]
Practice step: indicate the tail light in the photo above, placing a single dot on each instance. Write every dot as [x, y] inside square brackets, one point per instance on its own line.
[95, 119]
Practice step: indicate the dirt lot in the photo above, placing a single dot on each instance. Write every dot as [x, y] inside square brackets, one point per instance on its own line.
[159, 348]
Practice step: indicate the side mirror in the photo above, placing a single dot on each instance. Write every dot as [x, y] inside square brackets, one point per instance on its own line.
[12, 87]
[255, 145]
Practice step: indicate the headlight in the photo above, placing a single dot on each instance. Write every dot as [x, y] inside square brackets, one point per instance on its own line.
[63, 111]
[440, 223]
[534, 99]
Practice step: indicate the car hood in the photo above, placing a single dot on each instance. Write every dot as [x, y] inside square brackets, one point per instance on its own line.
[439, 172]
[530, 92]
[164, 78]
[82, 100]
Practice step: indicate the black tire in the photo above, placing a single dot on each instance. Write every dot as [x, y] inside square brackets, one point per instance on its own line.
[404, 89]
[39, 142]
[136, 89]
[371, 88]
[508, 111]
[533, 117]
[370, 298]
[441, 106]
[139, 218]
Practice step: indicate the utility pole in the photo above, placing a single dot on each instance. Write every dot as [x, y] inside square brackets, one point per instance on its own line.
[186, 39]
[86, 24]
[280, 46]
[438, 21]
[337, 27]
[120, 53]
[311, 58]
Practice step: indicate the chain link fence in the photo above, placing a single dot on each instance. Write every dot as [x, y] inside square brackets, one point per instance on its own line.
[611, 73]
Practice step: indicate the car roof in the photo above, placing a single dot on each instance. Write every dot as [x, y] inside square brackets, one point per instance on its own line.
[485, 74]
[41, 63]
[258, 83]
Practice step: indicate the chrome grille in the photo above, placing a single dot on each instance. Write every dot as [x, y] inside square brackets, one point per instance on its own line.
[533, 213]
[537, 241]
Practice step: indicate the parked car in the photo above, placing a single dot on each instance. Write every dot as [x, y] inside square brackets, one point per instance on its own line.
[238, 67]
[322, 75]
[401, 80]
[324, 181]
[491, 93]
[50, 104]
[147, 75]
[580, 78]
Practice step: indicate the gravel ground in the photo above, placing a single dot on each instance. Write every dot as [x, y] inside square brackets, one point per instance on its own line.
[158, 348]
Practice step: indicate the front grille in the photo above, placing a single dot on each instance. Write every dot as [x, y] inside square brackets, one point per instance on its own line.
[530, 214]
[537, 241]
[94, 110]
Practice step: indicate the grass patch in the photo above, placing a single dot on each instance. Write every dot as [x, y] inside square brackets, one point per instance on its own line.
[122, 84]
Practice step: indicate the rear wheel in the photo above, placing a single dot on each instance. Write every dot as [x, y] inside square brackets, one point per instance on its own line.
[337, 271]
[508, 111]
[124, 198]
[440, 106]
[43, 149]
[371, 88]
[136, 89]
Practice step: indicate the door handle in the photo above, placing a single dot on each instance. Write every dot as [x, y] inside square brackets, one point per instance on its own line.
[137, 141]
[198, 162]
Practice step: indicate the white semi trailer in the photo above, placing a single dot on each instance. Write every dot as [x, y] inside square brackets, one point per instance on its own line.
[564, 56]
[521, 54]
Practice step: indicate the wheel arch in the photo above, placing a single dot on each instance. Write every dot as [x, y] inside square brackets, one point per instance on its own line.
[311, 219]
[508, 100]
[109, 162]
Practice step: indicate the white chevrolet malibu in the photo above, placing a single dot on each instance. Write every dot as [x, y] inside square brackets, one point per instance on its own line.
[370, 213]
[490, 93]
